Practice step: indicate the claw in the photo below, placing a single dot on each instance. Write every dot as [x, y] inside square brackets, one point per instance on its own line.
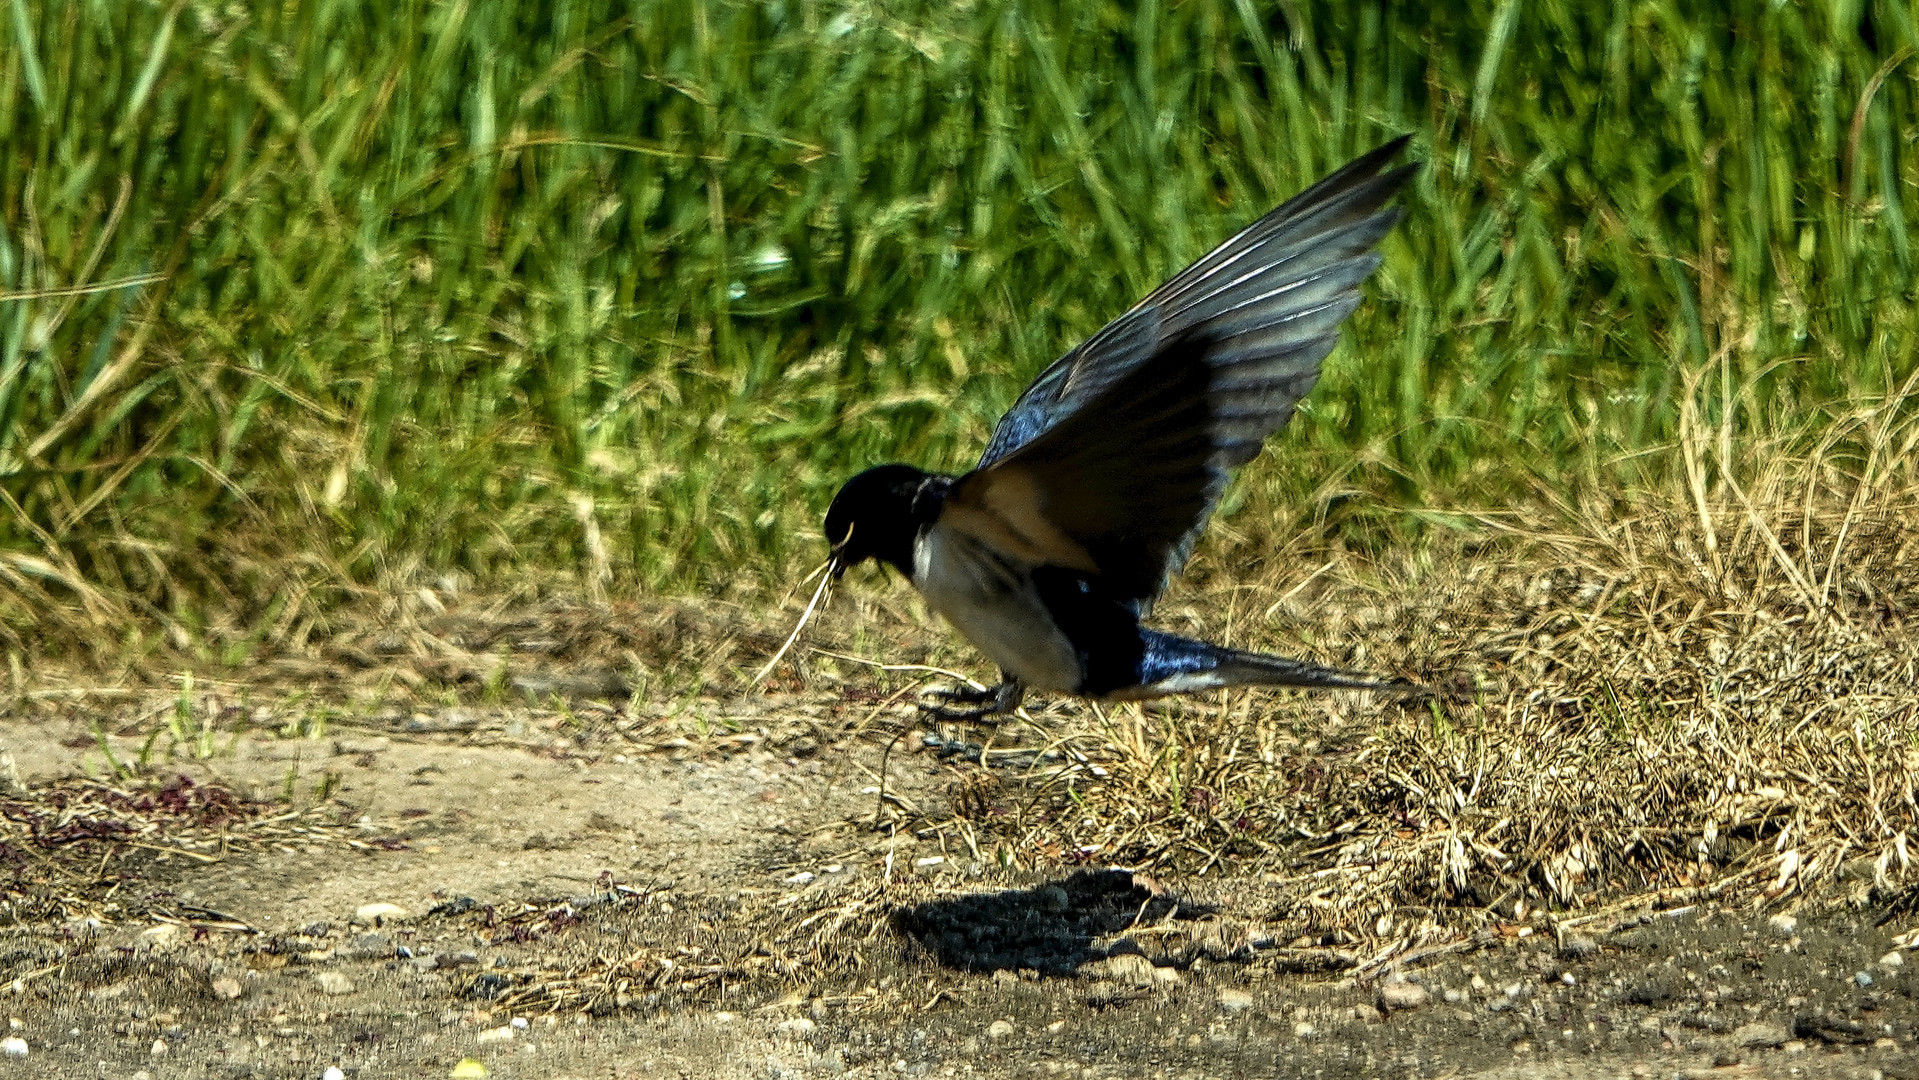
[975, 703]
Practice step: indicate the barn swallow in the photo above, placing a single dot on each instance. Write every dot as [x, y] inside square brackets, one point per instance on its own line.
[1099, 480]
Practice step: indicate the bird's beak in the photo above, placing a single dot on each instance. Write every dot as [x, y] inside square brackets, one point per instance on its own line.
[838, 563]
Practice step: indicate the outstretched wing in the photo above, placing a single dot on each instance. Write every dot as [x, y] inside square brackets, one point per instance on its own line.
[1113, 459]
[1246, 269]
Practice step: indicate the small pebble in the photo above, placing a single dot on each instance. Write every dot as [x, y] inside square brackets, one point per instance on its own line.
[375, 914]
[226, 988]
[333, 1072]
[372, 945]
[1760, 1036]
[159, 1048]
[1304, 1030]
[161, 938]
[1397, 994]
[468, 1069]
[332, 982]
[518, 1023]
[999, 1029]
[503, 1033]
[1893, 960]
[1783, 925]
[1125, 968]
[1456, 996]
[796, 1026]
[800, 878]
[1235, 1001]
[13, 1046]
[1863, 978]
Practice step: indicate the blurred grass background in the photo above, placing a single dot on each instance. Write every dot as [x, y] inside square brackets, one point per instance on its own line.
[303, 297]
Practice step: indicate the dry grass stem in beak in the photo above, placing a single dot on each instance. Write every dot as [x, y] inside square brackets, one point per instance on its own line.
[825, 586]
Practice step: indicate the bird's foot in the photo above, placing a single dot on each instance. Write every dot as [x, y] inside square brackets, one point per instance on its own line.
[971, 704]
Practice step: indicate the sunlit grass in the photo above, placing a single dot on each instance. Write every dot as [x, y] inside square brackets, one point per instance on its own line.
[307, 296]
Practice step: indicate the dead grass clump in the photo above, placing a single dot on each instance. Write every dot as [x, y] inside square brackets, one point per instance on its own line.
[1703, 690]
[68, 847]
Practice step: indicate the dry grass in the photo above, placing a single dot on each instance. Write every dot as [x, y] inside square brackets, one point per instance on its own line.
[1705, 690]
[68, 848]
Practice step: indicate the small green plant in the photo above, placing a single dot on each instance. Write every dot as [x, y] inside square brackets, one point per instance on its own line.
[188, 726]
[115, 768]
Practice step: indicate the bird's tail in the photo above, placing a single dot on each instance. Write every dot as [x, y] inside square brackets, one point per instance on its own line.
[1176, 665]
[1240, 668]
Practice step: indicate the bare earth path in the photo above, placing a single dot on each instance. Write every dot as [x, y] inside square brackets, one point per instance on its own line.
[721, 912]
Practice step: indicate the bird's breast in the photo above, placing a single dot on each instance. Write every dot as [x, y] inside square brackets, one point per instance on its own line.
[989, 597]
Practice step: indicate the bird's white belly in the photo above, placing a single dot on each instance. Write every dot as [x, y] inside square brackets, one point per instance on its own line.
[991, 600]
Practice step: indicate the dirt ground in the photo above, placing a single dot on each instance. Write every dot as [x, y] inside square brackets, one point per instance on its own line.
[728, 909]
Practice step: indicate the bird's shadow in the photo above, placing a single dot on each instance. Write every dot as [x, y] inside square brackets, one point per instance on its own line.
[1052, 928]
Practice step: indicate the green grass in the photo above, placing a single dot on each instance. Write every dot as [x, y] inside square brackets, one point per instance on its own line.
[309, 295]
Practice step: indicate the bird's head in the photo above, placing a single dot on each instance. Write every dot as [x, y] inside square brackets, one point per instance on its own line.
[877, 515]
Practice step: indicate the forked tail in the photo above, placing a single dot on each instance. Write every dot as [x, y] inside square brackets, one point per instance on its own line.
[1240, 668]
[1170, 664]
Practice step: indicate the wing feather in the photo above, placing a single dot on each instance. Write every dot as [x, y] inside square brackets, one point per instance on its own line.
[1338, 215]
[1116, 455]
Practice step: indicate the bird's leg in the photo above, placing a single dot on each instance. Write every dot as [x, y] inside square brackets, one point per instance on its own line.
[967, 703]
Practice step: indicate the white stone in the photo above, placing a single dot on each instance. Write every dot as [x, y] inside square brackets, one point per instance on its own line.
[162, 938]
[332, 982]
[1397, 994]
[1783, 925]
[375, 914]
[1235, 1001]
[1893, 960]
[503, 1033]
[333, 1072]
[13, 1046]
[999, 1029]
